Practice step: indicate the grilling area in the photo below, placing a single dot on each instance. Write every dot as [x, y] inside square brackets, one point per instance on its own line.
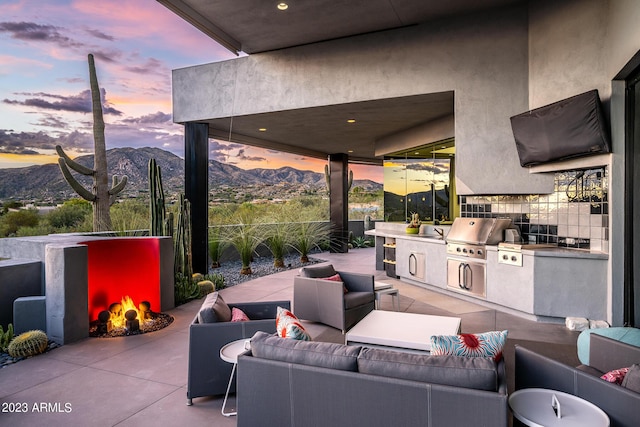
[477, 260]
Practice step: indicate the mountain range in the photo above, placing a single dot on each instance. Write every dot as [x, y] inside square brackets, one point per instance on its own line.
[45, 183]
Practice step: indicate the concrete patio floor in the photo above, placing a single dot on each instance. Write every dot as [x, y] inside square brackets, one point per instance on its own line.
[141, 380]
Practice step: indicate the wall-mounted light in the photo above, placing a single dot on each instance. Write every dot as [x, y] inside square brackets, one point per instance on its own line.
[262, 129]
[351, 121]
[350, 151]
[283, 6]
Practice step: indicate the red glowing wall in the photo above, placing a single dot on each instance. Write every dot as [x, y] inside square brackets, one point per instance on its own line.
[120, 267]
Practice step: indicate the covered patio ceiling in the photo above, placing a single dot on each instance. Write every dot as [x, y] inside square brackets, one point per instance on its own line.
[320, 131]
[255, 26]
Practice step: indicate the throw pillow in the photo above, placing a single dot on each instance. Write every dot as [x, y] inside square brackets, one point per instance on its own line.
[238, 315]
[487, 344]
[289, 326]
[616, 376]
[632, 379]
[336, 278]
[214, 309]
[222, 310]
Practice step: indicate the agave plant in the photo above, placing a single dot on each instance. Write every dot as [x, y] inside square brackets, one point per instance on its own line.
[217, 245]
[308, 235]
[277, 240]
[245, 237]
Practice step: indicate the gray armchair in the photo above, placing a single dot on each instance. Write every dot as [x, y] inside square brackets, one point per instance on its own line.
[208, 375]
[325, 301]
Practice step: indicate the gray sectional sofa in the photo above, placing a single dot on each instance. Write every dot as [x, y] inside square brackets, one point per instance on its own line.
[208, 375]
[621, 404]
[284, 382]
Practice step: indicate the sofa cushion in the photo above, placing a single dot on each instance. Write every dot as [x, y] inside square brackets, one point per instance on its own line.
[590, 370]
[238, 315]
[214, 309]
[288, 326]
[321, 354]
[632, 379]
[318, 272]
[356, 299]
[476, 373]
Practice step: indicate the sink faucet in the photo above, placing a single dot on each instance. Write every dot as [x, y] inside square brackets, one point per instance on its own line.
[440, 231]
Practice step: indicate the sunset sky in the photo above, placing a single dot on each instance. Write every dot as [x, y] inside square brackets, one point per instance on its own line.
[44, 81]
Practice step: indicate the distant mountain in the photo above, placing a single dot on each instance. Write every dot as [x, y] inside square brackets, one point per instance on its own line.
[45, 183]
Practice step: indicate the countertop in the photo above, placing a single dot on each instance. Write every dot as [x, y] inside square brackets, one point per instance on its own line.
[557, 252]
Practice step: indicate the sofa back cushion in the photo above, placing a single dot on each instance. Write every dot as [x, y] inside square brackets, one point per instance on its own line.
[214, 309]
[321, 354]
[469, 372]
[318, 272]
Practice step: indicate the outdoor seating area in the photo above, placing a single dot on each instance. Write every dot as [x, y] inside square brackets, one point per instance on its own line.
[129, 380]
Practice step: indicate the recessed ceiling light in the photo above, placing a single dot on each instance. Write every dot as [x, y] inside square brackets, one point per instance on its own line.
[283, 6]
[351, 121]
[262, 129]
[350, 151]
[417, 152]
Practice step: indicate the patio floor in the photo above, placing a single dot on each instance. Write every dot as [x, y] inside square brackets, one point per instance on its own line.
[141, 380]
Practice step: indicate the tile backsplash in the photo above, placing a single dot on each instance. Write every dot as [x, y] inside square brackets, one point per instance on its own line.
[575, 215]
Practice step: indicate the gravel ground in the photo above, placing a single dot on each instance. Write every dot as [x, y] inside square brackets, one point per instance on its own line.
[230, 270]
[261, 266]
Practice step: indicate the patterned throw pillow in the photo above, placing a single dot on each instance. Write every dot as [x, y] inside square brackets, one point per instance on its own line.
[288, 326]
[616, 376]
[488, 344]
[238, 315]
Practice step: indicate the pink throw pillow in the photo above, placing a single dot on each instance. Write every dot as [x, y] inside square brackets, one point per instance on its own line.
[616, 376]
[238, 315]
[336, 278]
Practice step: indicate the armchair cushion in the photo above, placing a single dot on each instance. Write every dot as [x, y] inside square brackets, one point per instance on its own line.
[356, 299]
[214, 309]
[318, 272]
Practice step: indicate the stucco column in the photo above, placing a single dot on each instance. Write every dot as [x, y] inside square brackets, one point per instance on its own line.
[196, 177]
[339, 202]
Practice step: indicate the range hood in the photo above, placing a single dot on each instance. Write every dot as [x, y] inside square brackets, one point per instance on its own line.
[567, 129]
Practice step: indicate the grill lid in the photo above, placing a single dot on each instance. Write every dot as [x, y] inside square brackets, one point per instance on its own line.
[478, 231]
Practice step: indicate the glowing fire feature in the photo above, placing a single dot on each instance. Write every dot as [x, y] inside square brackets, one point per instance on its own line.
[121, 316]
[124, 318]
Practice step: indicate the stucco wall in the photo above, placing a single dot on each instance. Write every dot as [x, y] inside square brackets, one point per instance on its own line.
[482, 58]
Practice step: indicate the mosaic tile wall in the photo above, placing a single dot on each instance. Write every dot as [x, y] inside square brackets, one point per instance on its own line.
[575, 215]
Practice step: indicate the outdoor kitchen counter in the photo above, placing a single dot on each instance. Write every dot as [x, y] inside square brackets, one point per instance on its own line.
[558, 252]
[551, 284]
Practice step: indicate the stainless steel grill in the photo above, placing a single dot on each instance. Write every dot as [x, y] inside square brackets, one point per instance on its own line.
[467, 239]
[468, 236]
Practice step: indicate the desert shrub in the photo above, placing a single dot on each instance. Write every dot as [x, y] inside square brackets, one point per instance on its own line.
[69, 215]
[12, 221]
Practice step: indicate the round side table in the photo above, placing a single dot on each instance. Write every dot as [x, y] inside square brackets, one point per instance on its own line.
[539, 407]
[229, 353]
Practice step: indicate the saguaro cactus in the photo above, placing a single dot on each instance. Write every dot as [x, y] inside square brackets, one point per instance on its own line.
[159, 219]
[101, 196]
[327, 179]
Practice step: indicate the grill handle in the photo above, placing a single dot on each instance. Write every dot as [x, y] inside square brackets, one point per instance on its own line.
[463, 267]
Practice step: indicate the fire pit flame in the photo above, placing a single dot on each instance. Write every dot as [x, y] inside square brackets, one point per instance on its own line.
[118, 319]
